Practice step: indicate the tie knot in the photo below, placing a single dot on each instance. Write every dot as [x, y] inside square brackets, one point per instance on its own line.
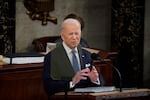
[73, 51]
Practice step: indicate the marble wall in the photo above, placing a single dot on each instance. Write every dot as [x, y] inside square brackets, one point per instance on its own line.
[96, 15]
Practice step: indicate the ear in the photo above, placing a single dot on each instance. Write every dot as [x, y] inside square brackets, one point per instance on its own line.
[62, 36]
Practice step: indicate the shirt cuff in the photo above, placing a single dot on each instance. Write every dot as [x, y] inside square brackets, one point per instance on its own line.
[97, 82]
[71, 84]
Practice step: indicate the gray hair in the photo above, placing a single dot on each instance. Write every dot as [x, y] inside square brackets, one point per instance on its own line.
[70, 20]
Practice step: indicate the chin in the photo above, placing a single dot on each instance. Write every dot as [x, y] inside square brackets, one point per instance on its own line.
[74, 46]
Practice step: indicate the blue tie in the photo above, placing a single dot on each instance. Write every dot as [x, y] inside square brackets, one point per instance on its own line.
[75, 61]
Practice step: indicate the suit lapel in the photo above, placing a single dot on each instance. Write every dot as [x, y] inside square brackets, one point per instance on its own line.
[61, 61]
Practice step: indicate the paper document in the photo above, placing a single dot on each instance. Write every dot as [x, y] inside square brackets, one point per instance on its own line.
[95, 89]
[24, 58]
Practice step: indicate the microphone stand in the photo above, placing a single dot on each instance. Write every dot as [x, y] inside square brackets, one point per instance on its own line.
[66, 92]
[106, 61]
[66, 95]
[119, 74]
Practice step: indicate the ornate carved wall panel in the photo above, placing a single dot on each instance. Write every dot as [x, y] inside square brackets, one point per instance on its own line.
[127, 38]
[7, 26]
[40, 10]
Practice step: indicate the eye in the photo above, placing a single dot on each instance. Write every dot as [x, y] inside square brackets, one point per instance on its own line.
[70, 33]
[76, 33]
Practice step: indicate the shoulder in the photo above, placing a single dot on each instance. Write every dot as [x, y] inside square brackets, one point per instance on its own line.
[85, 51]
[55, 51]
[58, 52]
[58, 48]
[82, 50]
[84, 43]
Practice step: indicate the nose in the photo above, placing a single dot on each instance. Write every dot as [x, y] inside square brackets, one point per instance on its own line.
[74, 36]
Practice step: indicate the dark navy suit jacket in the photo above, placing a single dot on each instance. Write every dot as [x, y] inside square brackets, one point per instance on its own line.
[58, 71]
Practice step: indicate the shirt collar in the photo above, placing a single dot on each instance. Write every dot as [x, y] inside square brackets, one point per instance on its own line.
[68, 50]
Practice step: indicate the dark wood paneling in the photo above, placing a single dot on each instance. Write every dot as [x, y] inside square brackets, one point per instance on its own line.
[22, 84]
[24, 81]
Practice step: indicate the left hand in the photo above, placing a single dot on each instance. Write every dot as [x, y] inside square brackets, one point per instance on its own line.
[93, 74]
[80, 75]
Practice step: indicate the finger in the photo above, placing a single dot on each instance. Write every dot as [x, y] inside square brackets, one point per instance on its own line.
[83, 78]
[84, 74]
[93, 68]
[86, 70]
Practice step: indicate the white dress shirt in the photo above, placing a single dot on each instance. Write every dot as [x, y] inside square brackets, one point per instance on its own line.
[69, 54]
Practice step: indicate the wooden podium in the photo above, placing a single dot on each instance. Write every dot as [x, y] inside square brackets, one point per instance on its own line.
[21, 82]
[24, 81]
[135, 94]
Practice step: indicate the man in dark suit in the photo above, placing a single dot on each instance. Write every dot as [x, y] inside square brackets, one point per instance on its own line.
[59, 73]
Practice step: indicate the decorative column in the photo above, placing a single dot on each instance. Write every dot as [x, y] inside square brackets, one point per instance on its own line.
[127, 37]
[7, 26]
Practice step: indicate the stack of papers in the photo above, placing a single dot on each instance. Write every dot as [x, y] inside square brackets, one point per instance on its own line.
[95, 89]
[23, 58]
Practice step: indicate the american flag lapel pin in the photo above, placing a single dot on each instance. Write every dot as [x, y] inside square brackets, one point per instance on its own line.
[87, 65]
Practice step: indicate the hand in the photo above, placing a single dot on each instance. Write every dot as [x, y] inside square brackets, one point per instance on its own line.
[81, 75]
[93, 74]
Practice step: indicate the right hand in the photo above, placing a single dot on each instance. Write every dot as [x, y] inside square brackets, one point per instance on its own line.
[81, 75]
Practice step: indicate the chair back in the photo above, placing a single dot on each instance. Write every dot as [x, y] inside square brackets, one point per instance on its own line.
[39, 44]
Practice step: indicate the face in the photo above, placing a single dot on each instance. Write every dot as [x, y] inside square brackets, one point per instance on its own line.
[71, 34]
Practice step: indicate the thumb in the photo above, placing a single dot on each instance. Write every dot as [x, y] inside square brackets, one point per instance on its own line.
[93, 68]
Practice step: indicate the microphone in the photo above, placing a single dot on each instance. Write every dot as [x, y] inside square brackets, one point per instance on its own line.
[95, 56]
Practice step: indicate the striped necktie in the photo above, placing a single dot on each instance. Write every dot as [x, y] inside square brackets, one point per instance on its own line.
[75, 61]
